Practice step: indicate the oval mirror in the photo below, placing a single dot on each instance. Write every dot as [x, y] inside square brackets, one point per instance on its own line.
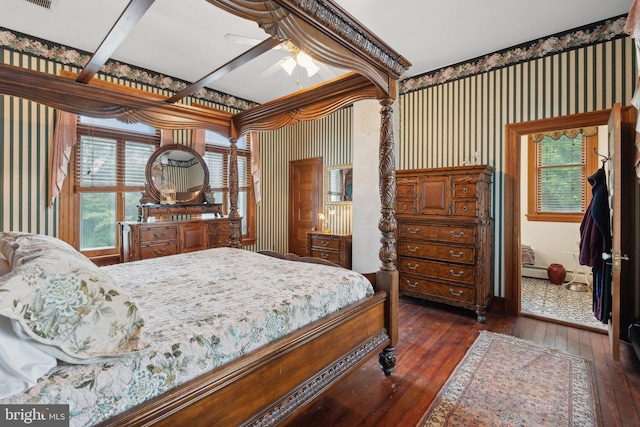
[180, 168]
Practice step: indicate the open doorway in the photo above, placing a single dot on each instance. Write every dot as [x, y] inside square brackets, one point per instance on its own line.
[515, 210]
[555, 195]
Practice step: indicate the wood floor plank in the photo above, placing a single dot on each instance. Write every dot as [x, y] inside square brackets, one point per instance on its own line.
[433, 340]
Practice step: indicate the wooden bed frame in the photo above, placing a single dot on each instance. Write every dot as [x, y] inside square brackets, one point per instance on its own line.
[271, 383]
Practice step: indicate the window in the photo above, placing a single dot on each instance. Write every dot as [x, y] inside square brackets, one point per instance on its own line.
[110, 160]
[559, 164]
[216, 157]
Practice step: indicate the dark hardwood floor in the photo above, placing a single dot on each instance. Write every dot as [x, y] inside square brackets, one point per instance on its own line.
[434, 338]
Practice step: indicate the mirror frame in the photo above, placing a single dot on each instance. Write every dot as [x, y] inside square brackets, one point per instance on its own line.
[151, 192]
[327, 175]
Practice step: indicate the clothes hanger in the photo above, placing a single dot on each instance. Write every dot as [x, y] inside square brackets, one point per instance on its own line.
[604, 158]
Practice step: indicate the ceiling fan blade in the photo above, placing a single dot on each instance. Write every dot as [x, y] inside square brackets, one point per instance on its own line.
[235, 38]
[272, 70]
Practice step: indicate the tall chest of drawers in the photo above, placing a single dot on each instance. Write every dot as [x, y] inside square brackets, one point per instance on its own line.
[445, 235]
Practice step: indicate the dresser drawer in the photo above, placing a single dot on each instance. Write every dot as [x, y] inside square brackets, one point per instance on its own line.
[326, 255]
[464, 190]
[462, 254]
[437, 270]
[453, 234]
[465, 207]
[406, 187]
[437, 289]
[155, 251]
[155, 234]
[406, 206]
[325, 242]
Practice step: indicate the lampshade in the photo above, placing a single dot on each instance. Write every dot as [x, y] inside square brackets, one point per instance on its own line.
[289, 64]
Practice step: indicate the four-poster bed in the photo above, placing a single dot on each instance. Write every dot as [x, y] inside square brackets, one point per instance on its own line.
[269, 384]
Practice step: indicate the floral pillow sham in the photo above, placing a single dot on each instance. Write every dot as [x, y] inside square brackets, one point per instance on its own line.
[64, 304]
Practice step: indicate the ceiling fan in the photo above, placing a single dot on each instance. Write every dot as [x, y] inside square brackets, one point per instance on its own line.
[295, 60]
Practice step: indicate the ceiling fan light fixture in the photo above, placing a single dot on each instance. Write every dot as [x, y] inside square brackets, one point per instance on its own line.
[289, 64]
[307, 62]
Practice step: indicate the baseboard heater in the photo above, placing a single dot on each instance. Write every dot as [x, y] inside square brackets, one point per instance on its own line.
[634, 337]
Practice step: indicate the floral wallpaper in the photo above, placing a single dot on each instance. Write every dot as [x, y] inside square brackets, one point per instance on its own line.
[23, 43]
[591, 34]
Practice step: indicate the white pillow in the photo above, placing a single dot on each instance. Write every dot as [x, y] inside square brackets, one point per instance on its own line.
[21, 364]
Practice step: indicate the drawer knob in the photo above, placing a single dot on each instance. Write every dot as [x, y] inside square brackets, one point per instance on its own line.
[464, 208]
[324, 256]
[160, 251]
[325, 243]
[158, 235]
[413, 285]
[412, 267]
[405, 207]
[457, 235]
[455, 294]
[458, 274]
[458, 255]
[465, 190]
[413, 230]
[412, 249]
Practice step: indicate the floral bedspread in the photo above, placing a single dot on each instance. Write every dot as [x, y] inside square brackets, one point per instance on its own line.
[201, 310]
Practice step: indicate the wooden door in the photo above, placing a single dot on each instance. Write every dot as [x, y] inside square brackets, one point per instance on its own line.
[305, 201]
[615, 205]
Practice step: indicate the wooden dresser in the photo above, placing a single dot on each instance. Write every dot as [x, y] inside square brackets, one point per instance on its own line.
[143, 240]
[331, 247]
[445, 235]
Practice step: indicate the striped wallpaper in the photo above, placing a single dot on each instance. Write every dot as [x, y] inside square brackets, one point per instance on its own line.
[329, 138]
[447, 124]
[441, 125]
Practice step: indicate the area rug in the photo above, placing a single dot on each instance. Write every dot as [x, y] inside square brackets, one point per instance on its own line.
[507, 381]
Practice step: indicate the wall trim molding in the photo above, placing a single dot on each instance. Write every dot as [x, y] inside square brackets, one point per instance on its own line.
[65, 55]
[591, 34]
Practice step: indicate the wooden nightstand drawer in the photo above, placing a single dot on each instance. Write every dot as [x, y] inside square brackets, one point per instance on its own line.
[331, 247]
[326, 255]
[156, 234]
[325, 242]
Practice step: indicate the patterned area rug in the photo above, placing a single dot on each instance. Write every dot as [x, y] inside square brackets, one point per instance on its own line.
[507, 381]
[546, 299]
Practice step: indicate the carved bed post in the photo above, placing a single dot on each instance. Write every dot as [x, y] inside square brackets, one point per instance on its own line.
[234, 216]
[387, 276]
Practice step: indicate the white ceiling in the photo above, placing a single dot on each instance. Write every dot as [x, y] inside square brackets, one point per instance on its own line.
[185, 39]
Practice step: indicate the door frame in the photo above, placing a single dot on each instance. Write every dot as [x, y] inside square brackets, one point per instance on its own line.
[512, 184]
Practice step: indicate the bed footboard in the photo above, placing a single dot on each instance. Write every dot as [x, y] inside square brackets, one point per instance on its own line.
[272, 383]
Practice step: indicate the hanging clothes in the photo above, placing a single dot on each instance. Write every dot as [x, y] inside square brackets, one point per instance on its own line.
[595, 239]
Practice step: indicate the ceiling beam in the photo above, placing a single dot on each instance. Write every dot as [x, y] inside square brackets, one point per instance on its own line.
[120, 30]
[238, 61]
